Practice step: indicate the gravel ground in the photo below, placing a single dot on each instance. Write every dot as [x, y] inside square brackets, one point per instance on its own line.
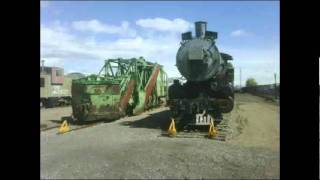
[133, 148]
[51, 117]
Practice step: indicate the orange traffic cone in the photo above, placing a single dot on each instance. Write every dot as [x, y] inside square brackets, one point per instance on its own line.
[64, 127]
[172, 129]
[212, 131]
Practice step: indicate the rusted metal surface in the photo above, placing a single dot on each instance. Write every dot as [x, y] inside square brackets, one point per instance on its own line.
[151, 84]
[125, 99]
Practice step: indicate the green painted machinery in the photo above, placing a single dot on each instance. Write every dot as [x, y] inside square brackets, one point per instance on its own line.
[122, 87]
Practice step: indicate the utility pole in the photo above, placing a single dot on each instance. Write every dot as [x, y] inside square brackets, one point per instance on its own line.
[275, 85]
[42, 65]
[240, 79]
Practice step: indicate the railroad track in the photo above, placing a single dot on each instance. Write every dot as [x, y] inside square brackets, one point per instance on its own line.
[221, 136]
[224, 132]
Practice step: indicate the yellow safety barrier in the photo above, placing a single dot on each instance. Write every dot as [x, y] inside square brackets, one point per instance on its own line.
[172, 129]
[64, 127]
[212, 130]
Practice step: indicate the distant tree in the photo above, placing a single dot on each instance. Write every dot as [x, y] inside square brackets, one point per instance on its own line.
[251, 82]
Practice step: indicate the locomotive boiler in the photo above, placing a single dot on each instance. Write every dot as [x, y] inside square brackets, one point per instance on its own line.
[208, 91]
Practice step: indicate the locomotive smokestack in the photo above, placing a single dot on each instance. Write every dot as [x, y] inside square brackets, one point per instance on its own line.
[201, 28]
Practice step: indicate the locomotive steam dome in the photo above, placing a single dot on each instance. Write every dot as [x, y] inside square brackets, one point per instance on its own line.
[198, 58]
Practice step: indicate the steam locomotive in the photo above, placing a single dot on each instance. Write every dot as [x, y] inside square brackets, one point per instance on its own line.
[208, 91]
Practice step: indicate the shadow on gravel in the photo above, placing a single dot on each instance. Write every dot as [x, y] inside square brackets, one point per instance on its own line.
[72, 122]
[56, 121]
[159, 120]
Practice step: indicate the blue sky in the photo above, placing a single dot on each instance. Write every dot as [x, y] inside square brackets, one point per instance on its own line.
[79, 35]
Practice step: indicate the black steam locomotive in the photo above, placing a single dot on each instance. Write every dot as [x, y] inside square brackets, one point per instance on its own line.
[208, 91]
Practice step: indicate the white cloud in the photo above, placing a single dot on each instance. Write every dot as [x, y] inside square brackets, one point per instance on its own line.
[162, 24]
[85, 54]
[53, 61]
[63, 48]
[57, 42]
[99, 27]
[239, 33]
[45, 4]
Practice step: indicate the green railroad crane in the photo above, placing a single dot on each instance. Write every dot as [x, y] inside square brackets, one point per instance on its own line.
[122, 87]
